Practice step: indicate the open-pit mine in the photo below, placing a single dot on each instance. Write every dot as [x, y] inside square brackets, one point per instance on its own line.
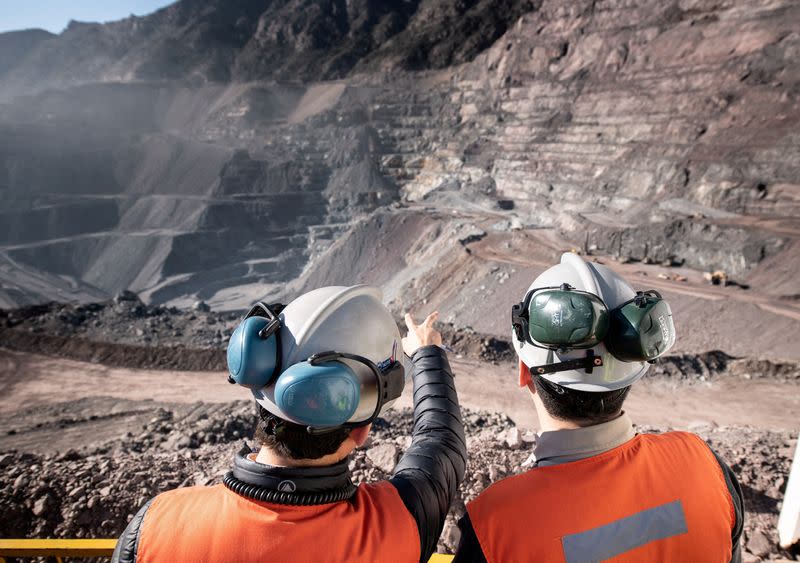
[159, 174]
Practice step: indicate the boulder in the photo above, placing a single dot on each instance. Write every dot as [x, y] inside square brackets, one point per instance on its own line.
[758, 544]
[383, 456]
[42, 505]
[512, 438]
[127, 296]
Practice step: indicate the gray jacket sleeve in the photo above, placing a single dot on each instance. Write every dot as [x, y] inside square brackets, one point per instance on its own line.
[429, 474]
[735, 490]
[128, 543]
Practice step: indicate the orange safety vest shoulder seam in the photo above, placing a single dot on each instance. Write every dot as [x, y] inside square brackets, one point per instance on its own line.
[656, 497]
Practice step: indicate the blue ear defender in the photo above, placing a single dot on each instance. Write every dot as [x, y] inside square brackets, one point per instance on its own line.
[325, 394]
[254, 348]
[325, 391]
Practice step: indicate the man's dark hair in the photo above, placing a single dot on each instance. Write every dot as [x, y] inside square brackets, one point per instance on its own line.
[583, 407]
[292, 440]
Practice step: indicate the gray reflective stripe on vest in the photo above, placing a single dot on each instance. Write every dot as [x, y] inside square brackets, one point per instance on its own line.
[625, 534]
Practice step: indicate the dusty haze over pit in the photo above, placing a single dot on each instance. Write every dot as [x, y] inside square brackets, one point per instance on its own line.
[447, 151]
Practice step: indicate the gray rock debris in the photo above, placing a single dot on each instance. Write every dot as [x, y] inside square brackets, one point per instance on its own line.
[758, 544]
[42, 505]
[126, 296]
[383, 456]
[512, 438]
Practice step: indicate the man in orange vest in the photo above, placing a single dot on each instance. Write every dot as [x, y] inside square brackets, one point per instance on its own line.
[598, 490]
[321, 370]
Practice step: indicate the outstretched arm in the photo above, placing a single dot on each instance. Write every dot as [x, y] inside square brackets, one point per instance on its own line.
[429, 474]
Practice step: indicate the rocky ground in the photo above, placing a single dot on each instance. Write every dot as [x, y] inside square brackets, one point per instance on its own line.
[92, 491]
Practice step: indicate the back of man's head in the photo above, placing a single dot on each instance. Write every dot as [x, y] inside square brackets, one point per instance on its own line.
[319, 369]
[293, 441]
[584, 408]
[583, 336]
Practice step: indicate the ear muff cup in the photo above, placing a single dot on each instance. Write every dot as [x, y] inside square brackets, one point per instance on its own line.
[252, 359]
[570, 319]
[641, 331]
[321, 395]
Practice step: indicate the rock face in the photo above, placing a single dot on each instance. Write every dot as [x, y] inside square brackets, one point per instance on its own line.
[610, 124]
[652, 132]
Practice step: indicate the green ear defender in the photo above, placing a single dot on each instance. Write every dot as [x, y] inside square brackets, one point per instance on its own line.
[566, 318]
[641, 329]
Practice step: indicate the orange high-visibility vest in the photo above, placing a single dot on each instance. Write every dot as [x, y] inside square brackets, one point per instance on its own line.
[216, 524]
[654, 498]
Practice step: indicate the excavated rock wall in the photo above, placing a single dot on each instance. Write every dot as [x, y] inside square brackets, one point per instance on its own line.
[645, 131]
[145, 192]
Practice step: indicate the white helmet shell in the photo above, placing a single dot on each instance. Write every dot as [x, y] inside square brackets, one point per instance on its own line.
[614, 291]
[336, 318]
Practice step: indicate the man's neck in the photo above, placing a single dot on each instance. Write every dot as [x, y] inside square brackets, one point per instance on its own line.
[548, 423]
[268, 456]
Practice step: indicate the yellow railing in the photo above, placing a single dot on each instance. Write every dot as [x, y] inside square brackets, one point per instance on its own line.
[90, 548]
[56, 548]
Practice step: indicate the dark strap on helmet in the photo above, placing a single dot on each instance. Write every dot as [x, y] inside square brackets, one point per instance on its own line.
[588, 363]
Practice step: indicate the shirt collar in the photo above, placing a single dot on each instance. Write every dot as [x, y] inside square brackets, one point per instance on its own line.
[562, 446]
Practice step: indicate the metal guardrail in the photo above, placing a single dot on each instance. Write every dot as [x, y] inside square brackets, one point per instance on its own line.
[89, 548]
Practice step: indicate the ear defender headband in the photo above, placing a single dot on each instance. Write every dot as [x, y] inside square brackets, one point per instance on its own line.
[563, 318]
[329, 390]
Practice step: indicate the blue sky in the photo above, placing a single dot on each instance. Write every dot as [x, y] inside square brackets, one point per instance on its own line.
[53, 15]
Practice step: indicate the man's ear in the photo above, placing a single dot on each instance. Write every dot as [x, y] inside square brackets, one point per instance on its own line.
[524, 375]
[360, 434]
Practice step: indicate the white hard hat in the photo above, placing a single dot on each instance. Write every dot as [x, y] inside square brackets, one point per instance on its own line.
[351, 320]
[613, 291]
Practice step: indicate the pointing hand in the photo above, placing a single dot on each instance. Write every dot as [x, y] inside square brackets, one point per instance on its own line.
[420, 335]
